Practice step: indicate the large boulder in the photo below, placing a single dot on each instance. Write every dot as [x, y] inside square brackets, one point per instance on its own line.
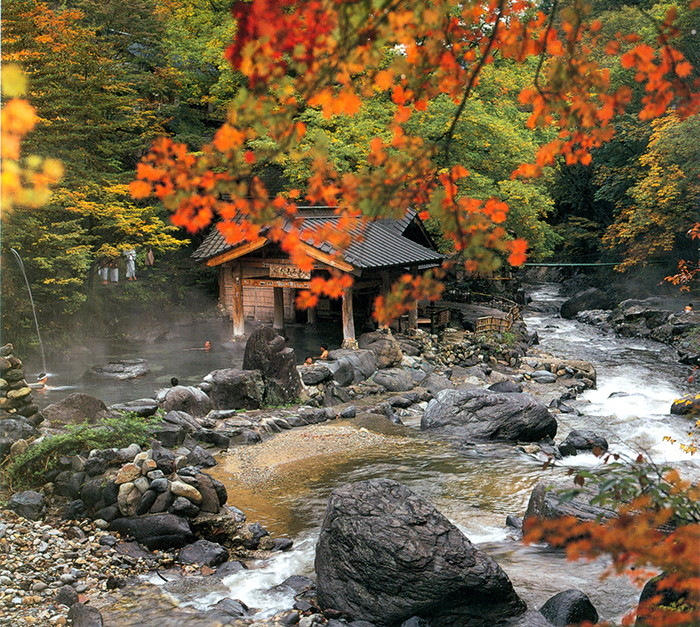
[362, 362]
[121, 370]
[155, 532]
[385, 555]
[592, 298]
[76, 408]
[394, 379]
[384, 345]
[313, 374]
[266, 351]
[188, 399]
[236, 389]
[476, 413]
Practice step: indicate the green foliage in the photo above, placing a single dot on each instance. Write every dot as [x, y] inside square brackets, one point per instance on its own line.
[27, 470]
[664, 197]
[623, 480]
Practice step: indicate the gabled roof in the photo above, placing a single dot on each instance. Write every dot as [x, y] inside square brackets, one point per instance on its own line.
[382, 244]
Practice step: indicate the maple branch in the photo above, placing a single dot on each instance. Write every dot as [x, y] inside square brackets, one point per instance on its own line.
[448, 136]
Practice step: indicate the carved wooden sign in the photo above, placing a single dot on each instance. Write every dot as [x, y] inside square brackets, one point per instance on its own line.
[278, 271]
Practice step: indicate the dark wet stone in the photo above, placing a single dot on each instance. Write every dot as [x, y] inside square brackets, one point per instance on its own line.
[159, 531]
[182, 507]
[85, 616]
[66, 595]
[379, 526]
[75, 510]
[570, 607]
[29, 504]
[203, 552]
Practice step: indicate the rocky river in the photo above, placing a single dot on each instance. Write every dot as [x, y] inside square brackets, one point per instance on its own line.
[283, 481]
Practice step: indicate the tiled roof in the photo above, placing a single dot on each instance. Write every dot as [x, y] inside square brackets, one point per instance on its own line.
[381, 245]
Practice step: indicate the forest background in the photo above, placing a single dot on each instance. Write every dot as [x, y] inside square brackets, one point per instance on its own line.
[106, 79]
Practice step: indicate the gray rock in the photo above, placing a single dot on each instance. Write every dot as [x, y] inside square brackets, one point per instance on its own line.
[200, 458]
[434, 383]
[143, 407]
[506, 387]
[236, 389]
[148, 498]
[12, 430]
[481, 414]
[163, 502]
[188, 399]
[385, 555]
[570, 607]
[158, 531]
[334, 394]
[204, 553]
[362, 361]
[592, 298]
[210, 436]
[315, 373]
[121, 370]
[29, 504]
[228, 608]
[76, 408]
[385, 347]
[544, 376]
[343, 373]
[183, 507]
[265, 351]
[76, 481]
[75, 510]
[545, 504]
[210, 498]
[585, 440]
[85, 616]
[394, 379]
[66, 595]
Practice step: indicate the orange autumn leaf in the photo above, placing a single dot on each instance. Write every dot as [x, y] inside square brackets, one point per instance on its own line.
[518, 249]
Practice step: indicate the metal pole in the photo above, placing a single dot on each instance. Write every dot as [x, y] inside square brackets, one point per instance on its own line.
[31, 300]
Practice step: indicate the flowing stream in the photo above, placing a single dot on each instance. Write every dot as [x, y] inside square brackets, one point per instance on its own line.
[475, 488]
[478, 488]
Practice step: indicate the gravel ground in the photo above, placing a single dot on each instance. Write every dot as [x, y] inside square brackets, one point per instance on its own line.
[37, 560]
[262, 462]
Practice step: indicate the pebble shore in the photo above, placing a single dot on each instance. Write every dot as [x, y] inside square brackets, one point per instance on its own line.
[42, 564]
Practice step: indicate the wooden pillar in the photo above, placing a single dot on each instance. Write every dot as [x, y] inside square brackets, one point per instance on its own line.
[278, 313]
[413, 311]
[237, 302]
[349, 340]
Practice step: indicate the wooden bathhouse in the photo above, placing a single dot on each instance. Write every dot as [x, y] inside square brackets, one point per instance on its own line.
[258, 282]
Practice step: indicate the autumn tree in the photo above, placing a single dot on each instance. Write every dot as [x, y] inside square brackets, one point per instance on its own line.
[664, 199]
[91, 115]
[334, 56]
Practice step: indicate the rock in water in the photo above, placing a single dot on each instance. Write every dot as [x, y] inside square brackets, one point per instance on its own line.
[266, 351]
[385, 555]
[482, 414]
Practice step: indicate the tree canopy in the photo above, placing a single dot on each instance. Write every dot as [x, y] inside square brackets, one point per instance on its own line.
[305, 62]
